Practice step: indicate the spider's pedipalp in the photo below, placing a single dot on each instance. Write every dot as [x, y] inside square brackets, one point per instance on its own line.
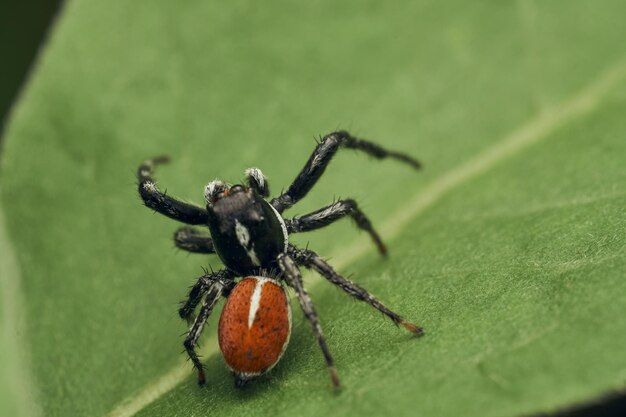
[213, 189]
[258, 181]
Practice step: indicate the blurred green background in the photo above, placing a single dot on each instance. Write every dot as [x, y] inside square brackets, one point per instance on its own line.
[23, 29]
[23, 25]
[90, 280]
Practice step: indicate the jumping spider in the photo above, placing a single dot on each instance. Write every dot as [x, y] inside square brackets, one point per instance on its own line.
[251, 238]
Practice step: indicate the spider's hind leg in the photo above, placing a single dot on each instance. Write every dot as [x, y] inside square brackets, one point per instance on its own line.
[294, 280]
[311, 260]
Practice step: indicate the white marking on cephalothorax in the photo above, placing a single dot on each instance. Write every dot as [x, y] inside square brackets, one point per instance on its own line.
[255, 300]
[282, 226]
[257, 175]
[243, 236]
[253, 257]
[213, 188]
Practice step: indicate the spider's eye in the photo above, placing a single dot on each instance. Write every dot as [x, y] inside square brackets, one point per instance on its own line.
[236, 189]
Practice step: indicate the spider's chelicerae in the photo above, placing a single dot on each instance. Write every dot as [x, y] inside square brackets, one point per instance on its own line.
[251, 238]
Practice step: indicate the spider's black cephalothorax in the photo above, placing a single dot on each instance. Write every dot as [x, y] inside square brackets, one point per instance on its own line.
[250, 236]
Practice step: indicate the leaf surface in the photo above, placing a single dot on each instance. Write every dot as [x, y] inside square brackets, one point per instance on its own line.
[508, 248]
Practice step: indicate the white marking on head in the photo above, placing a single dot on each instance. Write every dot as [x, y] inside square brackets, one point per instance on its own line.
[257, 175]
[243, 236]
[213, 188]
[253, 257]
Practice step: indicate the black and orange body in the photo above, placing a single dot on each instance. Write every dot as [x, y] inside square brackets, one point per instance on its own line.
[251, 237]
[254, 327]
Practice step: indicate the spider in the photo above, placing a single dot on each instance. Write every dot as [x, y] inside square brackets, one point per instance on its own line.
[251, 238]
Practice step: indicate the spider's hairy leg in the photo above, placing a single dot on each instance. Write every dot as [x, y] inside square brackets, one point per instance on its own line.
[312, 260]
[193, 240]
[159, 201]
[294, 280]
[223, 277]
[213, 293]
[329, 214]
[321, 157]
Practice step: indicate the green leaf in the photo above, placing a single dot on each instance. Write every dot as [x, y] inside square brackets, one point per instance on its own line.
[508, 248]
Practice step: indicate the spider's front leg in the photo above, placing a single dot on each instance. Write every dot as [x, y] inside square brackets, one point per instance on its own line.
[329, 214]
[293, 277]
[319, 160]
[157, 200]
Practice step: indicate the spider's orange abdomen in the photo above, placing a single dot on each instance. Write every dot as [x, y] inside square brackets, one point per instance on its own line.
[255, 326]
